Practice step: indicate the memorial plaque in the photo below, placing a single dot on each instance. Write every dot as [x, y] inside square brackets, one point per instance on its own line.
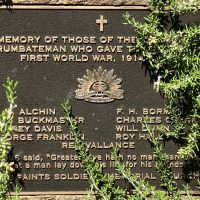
[83, 55]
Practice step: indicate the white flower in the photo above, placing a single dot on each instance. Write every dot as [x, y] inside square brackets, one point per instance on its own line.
[157, 83]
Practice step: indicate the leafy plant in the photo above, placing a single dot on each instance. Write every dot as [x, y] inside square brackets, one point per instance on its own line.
[101, 184]
[172, 54]
[162, 162]
[6, 2]
[170, 51]
[6, 129]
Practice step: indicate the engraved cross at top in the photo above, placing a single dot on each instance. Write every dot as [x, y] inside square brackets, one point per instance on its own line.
[101, 22]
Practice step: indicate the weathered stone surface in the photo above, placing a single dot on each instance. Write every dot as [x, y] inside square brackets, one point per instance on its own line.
[82, 2]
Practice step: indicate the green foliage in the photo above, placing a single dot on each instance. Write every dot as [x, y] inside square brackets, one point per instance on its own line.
[170, 51]
[140, 188]
[103, 185]
[6, 129]
[162, 162]
[175, 6]
[6, 2]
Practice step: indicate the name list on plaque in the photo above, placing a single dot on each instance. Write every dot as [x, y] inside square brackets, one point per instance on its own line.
[82, 55]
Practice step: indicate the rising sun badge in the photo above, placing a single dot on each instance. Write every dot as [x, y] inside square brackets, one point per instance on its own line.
[99, 86]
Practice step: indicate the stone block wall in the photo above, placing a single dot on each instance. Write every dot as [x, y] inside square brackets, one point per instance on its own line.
[81, 2]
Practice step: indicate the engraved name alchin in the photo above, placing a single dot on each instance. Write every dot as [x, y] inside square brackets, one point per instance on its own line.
[99, 86]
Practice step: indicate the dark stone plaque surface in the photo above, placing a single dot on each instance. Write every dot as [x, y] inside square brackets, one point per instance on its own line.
[82, 55]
